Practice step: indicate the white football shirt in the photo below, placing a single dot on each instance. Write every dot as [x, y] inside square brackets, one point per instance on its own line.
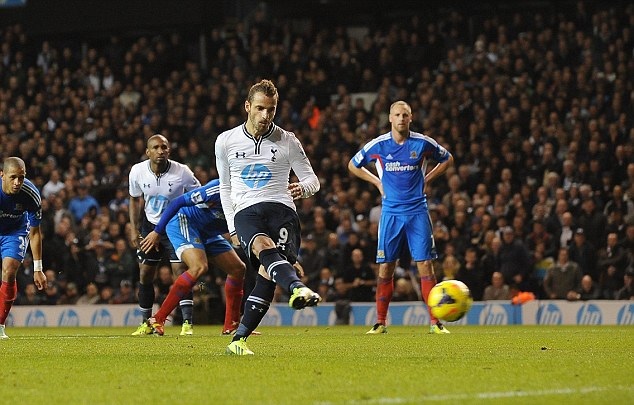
[254, 170]
[159, 190]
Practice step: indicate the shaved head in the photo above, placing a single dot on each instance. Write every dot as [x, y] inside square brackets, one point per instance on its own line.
[14, 162]
[154, 138]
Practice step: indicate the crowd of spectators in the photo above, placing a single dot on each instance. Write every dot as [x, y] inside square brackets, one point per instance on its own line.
[536, 109]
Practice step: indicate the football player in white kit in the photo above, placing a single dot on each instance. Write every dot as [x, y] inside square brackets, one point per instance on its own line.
[153, 184]
[254, 162]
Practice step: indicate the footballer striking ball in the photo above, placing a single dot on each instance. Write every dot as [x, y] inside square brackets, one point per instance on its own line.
[450, 300]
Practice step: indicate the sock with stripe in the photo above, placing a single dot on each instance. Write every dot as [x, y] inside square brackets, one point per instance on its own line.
[280, 270]
[146, 299]
[255, 307]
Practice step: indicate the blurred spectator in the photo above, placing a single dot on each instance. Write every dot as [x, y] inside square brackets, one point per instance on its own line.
[312, 261]
[91, 296]
[498, 290]
[163, 282]
[124, 263]
[584, 254]
[613, 260]
[563, 280]
[404, 290]
[80, 205]
[589, 289]
[125, 294]
[449, 268]
[70, 295]
[52, 292]
[514, 259]
[357, 281]
[327, 285]
[30, 296]
[53, 185]
[593, 222]
[627, 291]
[106, 295]
[121, 200]
[99, 267]
[472, 273]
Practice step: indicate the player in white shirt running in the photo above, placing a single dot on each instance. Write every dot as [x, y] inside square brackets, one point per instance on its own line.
[153, 184]
[254, 162]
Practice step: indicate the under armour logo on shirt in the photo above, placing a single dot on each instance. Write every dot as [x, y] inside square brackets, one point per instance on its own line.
[241, 155]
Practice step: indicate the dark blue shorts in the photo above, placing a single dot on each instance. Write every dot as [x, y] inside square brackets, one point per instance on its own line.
[165, 251]
[274, 220]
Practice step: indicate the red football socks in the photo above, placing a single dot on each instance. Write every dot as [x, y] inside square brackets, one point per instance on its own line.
[426, 284]
[384, 291]
[181, 287]
[8, 291]
[233, 296]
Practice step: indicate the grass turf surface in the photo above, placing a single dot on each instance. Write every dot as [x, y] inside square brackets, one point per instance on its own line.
[320, 365]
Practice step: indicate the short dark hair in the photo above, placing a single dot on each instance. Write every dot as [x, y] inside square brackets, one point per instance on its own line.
[263, 86]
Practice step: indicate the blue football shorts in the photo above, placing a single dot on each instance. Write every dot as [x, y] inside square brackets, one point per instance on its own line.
[14, 246]
[185, 235]
[395, 229]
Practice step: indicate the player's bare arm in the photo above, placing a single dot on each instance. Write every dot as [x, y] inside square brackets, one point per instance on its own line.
[366, 175]
[438, 171]
[136, 203]
[35, 237]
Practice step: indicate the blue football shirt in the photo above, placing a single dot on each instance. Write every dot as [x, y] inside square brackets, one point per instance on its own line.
[401, 168]
[20, 211]
[202, 208]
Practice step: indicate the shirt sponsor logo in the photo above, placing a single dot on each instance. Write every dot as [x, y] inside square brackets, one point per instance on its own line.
[256, 175]
[396, 167]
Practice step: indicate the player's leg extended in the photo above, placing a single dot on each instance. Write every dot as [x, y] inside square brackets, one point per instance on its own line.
[230, 263]
[8, 291]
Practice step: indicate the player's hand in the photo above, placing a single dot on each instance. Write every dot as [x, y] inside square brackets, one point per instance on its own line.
[40, 280]
[151, 241]
[234, 240]
[296, 190]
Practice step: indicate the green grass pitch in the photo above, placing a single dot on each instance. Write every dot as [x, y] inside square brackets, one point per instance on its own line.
[321, 366]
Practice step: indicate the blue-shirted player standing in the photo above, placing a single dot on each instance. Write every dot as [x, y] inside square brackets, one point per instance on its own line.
[401, 159]
[195, 224]
[20, 216]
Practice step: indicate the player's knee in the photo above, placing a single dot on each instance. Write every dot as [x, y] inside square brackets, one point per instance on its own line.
[237, 270]
[261, 243]
[198, 270]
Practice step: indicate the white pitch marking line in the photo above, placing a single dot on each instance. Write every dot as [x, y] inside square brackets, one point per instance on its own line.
[482, 395]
